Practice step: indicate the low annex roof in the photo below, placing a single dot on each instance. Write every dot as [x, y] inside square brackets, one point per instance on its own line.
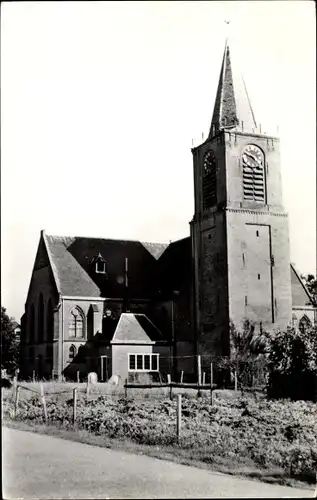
[135, 329]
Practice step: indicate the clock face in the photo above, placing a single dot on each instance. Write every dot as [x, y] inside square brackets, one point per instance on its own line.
[252, 156]
[209, 162]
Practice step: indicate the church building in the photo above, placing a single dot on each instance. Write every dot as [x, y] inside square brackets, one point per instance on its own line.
[121, 307]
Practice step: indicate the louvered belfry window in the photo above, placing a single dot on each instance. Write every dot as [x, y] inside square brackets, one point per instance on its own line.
[209, 180]
[253, 174]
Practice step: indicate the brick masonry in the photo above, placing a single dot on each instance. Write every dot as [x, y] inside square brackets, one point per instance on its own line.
[241, 248]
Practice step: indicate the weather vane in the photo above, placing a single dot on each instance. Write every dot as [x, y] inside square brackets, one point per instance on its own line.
[227, 31]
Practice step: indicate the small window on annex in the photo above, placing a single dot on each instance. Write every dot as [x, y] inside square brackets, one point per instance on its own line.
[143, 362]
[76, 324]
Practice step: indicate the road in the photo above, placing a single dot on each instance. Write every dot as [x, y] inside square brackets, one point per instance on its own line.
[40, 466]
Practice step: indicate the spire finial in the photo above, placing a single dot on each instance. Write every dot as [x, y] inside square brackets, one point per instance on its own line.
[227, 30]
[232, 104]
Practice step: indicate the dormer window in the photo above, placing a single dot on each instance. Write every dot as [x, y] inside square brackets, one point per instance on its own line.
[100, 267]
[99, 264]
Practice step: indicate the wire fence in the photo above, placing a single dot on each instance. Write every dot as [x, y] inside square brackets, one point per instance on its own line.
[245, 375]
[75, 393]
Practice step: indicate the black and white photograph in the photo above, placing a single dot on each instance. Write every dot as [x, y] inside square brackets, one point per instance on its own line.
[158, 249]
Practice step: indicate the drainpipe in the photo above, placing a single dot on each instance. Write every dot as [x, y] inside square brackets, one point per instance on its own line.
[173, 341]
[62, 342]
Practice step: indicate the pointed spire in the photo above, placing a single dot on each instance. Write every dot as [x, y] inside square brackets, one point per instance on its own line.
[232, 106]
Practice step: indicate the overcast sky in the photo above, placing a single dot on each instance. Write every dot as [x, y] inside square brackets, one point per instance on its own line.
[100, 103]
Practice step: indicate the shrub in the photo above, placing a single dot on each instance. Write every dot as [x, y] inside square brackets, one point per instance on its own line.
[293, 364]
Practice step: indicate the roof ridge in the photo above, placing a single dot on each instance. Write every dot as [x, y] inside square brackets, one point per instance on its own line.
[61, 237]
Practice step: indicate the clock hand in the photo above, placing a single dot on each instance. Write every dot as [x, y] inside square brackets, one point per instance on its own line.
[257, 160]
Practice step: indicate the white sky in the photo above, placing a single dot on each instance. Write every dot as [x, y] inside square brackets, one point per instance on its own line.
[100, 103]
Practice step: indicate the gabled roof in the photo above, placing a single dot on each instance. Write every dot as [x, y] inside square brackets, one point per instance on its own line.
[72, 262]
[155, 249]
[232, 105]
[135, 329]
[72, 279]
[300, 295]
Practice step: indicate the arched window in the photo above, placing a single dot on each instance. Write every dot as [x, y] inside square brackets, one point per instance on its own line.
[72, 352]
[49, 321]
[40, 319]
[304, 323]
[31, 336]
[253, 174]
[76, 323]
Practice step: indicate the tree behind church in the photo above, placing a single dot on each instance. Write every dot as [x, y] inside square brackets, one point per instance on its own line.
[311, 284]
[10, 345]
[248, 355]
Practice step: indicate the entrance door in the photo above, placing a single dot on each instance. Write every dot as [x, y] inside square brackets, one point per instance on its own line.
[104, 368]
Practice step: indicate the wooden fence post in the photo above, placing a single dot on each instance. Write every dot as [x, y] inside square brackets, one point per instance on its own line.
[169, 381]
[126, 388]
[235, 381]
[211, 382]
[87, 388]
[78, 378]
[179, 415]
[182, 375]
[33, 376]
[53, 375]
[14, 384]
[199, 375]
[199, 369]
[74, 405]
[204, 378]
[43, 402]
[16, 403]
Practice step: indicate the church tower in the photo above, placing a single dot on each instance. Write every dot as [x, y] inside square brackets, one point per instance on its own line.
[239, 232]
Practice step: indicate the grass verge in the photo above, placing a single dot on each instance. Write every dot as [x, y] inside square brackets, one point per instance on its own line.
[242, 468]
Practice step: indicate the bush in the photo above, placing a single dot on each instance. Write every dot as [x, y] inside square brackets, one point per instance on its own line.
[293, 365]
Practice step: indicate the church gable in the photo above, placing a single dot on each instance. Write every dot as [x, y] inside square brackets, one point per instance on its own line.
[41, 259]
[300, 295]
[42, 268]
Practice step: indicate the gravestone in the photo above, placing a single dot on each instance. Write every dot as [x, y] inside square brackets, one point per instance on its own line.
[114, 380]
[92, 378]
